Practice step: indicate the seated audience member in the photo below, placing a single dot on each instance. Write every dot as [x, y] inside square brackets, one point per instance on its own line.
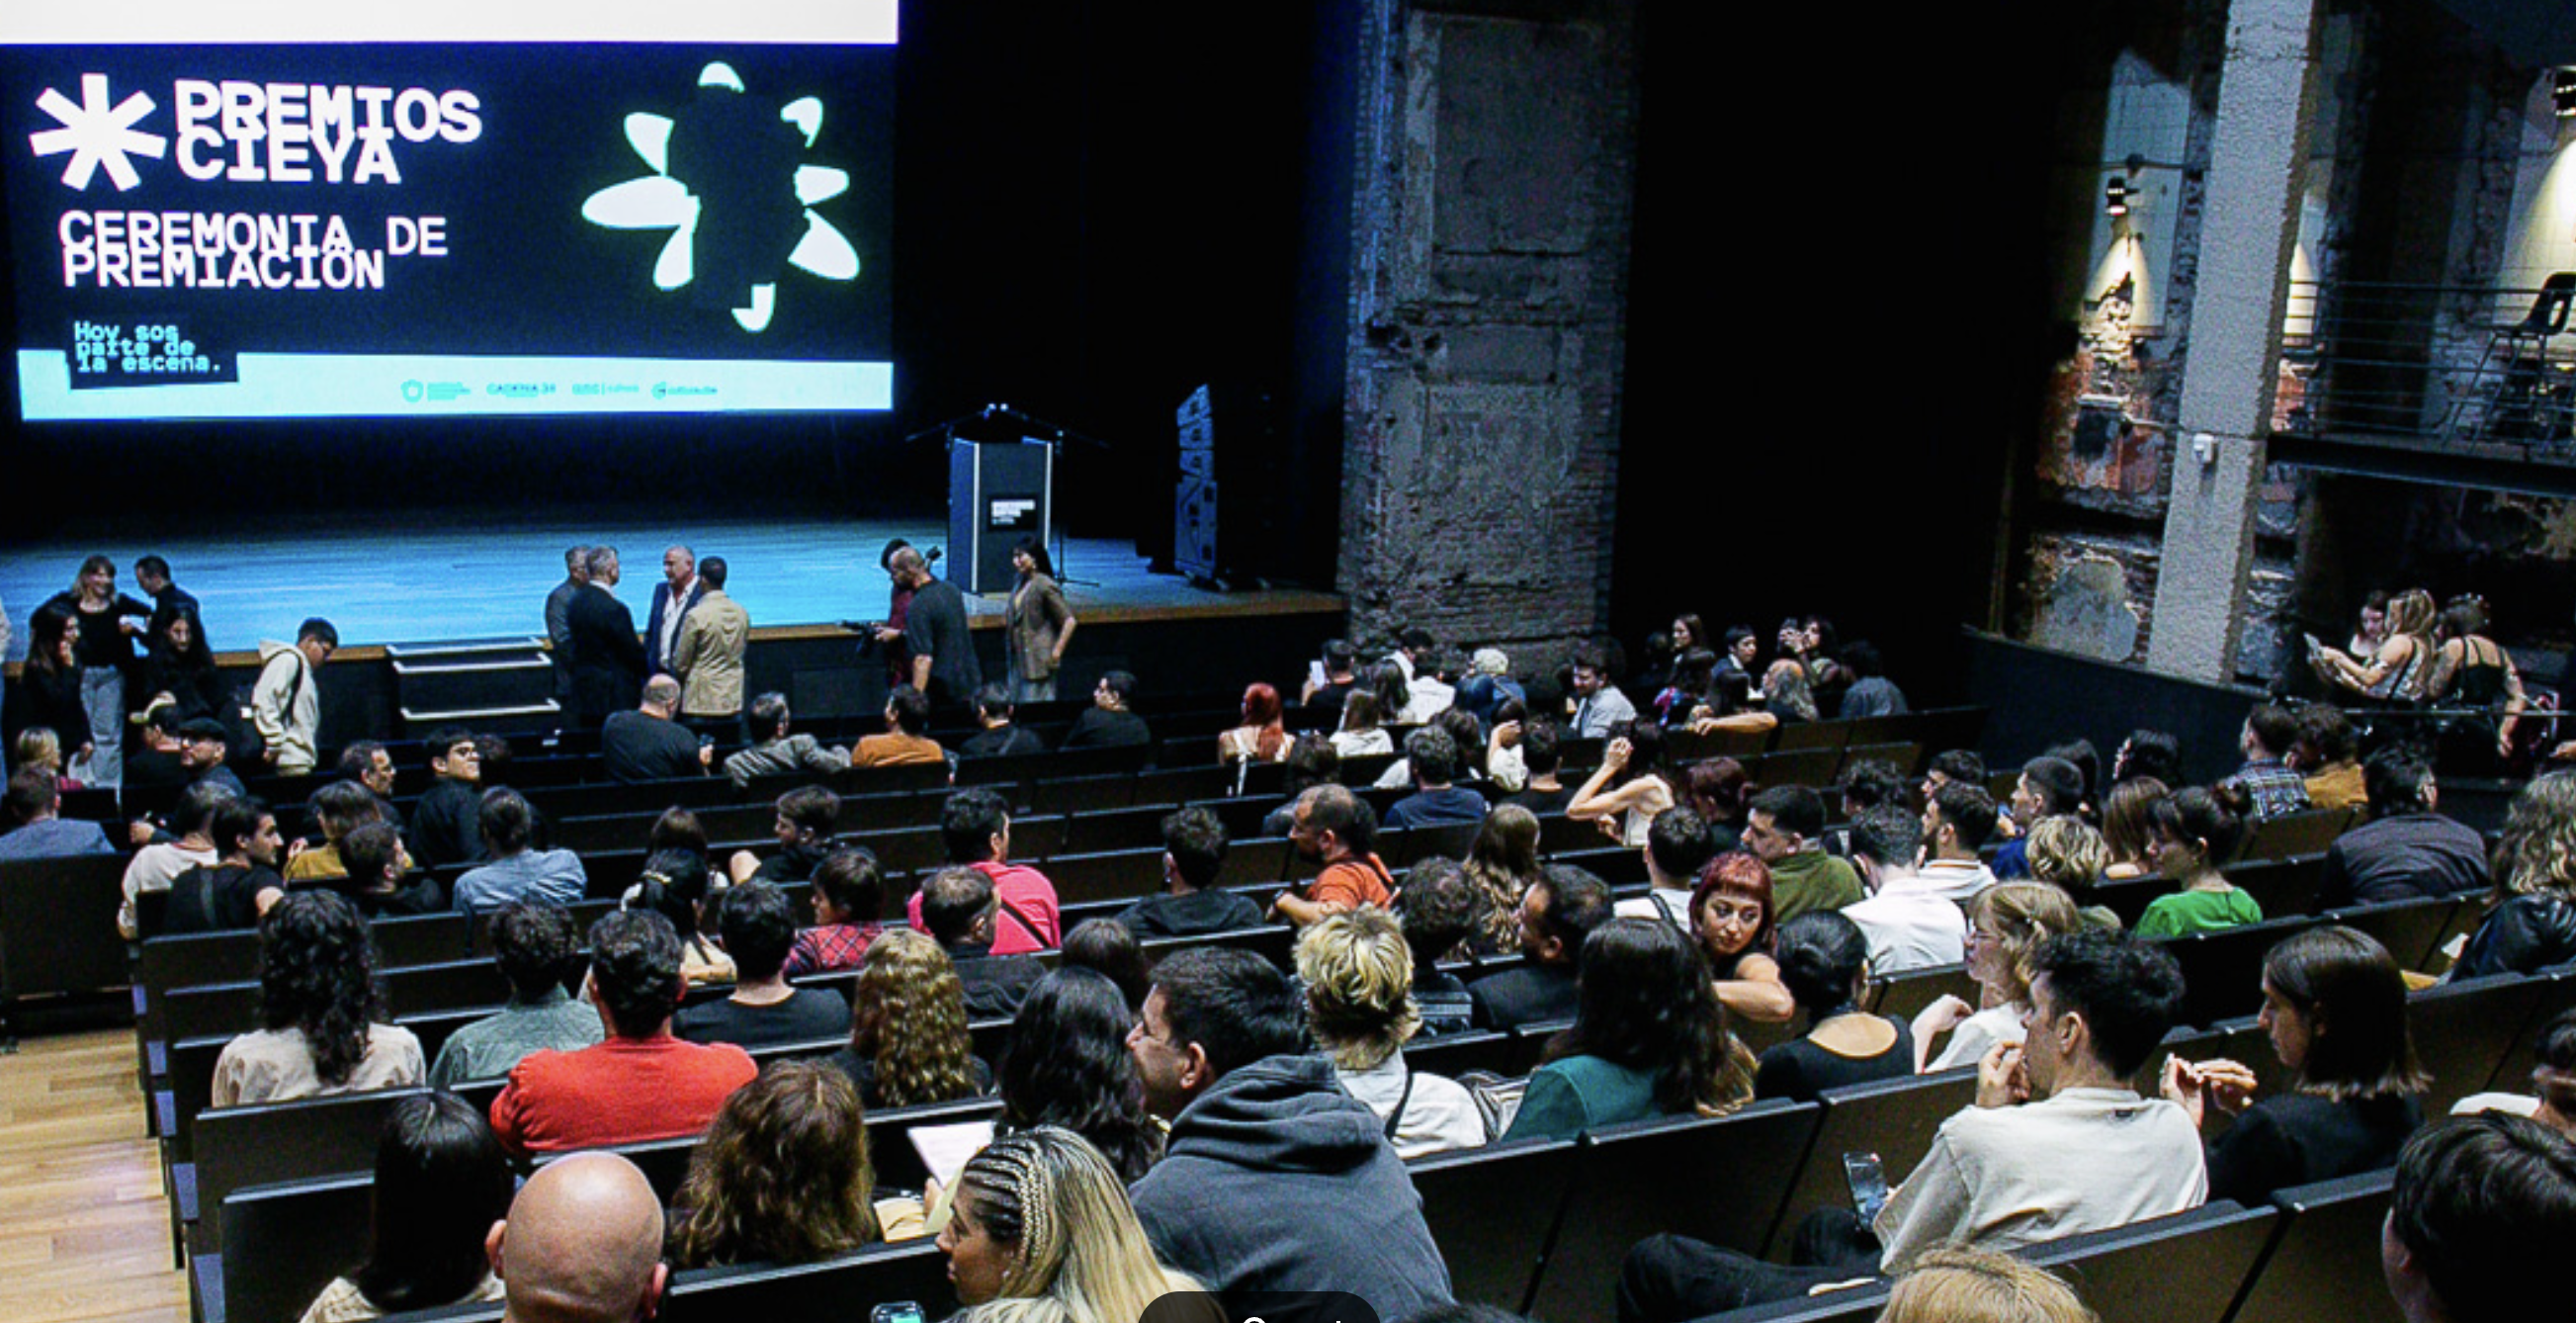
[1488, 684]
[1262, 737]
[1645, 790]
[39, 747]
[1866, 784]
[1065, 1064]
[758, 925]
[848, 897]
[376, 864]
[907, 715]
[908, 1039]
[675, 884]
[2129, 827]
[782, 1176]
[2055, 1144]
[1192, 903]
[774, 752]
[338, 809]
[1557, 913]
[155, 866]
[2552, 1100]
[1872, 694]
[366, 763]
[2048, 787]
[1677, 847]
[537, 948]
[319, 1012]
[2406, 851]
[1958, 820]
[958, 910]
[2153, 754]
[2197, 830]
[1438, 908]
[204, 744]
[2067, 852]
[1541, 792]
[582, 1244]
[1649, 1039]
[1960, 765]
[1906, 921]
[2005, 927]
[1437, 798]
[1428, 692]
[1333, 679]
[35, 801]
[2484, 1206]
[159, 762]
[1109, 948]
[998, 738]
[647, 742]
[1732, 920]
[1721, 792]
[1362, 731]
[2087, 762]
[2328, 758]
[446, 825]
[975, 825]
[807, 817]
[2531, 924]
[2271, 788]
[1359, 1007]
[441, 1182]
[1957, 1284]
[1109, 724]
[2334, 1006]
[1824, 960]
[1043, 1229]
[517, 870]
[1784, 828]
[241, 885]
[1335, 828]
[640, 1082]
[1275, 1178]
[1599, 708]
[1502, 863]
[1311, 762]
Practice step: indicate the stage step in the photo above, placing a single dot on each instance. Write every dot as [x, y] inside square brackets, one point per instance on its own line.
[500, 685]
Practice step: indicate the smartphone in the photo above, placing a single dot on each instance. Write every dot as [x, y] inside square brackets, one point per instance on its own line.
[1315, 673]
[896, 1311]
[1868, 1183]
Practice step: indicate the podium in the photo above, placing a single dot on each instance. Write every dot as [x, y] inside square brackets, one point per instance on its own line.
[998, 493]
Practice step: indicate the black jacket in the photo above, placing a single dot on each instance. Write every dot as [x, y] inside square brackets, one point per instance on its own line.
[1277, 1180]
[447, 824]
[2406, 857]
[607, 658]
[2526, 933]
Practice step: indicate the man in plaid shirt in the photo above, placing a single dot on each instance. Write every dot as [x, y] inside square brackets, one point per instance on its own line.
[2274, 789]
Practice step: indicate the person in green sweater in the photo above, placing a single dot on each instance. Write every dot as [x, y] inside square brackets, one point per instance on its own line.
[1785, 827]
[2192, 830]
[1649, 1039]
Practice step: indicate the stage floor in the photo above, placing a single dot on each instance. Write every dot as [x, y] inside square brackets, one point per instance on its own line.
[429, 579]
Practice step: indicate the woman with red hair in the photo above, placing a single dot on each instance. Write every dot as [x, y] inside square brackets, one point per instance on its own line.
[1732, 916]
[1261, 737]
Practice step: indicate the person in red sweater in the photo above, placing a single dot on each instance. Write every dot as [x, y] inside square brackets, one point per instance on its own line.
[641, 1082]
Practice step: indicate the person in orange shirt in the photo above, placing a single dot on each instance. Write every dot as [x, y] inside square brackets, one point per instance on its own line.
[1336, 828]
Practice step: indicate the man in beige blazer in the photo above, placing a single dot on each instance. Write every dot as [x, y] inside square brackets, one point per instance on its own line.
[708, 656]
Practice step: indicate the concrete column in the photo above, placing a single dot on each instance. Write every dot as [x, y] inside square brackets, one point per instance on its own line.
[1490, 236]
[2250, 222]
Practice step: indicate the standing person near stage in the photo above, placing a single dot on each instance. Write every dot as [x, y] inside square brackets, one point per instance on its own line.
[607, 661]
[104, 619]
[673, 599]
[169, 600]
[559, 620]
[286, 702]
[708, 657]
[943, 653]
[1038, 627]
[49, 684]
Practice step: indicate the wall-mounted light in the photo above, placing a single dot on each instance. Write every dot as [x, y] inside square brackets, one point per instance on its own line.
[2116, 195]
[2562, 92]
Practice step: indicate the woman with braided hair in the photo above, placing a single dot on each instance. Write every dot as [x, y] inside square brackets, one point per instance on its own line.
[1042, 1232]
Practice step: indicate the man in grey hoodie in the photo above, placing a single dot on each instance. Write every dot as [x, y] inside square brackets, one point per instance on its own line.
[1275, 1179]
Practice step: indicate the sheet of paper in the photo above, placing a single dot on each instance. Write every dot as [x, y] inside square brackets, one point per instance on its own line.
[945, 1148]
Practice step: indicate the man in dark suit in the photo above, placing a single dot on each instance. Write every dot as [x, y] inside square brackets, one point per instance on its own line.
[607, 662]
[679, 590]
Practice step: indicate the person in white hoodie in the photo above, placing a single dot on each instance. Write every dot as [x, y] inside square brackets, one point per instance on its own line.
[286, 704]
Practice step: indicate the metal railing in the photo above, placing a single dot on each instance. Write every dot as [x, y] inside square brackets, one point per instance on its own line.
[2472, 369]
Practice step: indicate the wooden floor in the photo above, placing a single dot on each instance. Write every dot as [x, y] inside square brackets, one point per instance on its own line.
[84, 1231]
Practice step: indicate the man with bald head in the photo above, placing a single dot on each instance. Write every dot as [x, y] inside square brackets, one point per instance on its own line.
[647, 744]
[582, 1244]
[934, 630]
[607, 661]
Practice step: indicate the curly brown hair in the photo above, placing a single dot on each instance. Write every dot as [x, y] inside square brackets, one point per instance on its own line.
[782, 1175]
[317, 975]
[911, 1019]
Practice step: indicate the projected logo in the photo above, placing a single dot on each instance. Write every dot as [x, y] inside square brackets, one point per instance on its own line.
[99, 134]
[730, 183]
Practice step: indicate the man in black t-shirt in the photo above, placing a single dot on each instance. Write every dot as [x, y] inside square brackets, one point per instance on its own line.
[1109, 725]
[934, 631]
[958, 908]
[1193, 851]
[999, 738]
[241, 884]
[647, 745]
[447, 823]
[758, 927]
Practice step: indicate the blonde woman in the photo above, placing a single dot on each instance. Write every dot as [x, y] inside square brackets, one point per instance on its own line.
[1042, 1232]
[2532, 922]
[1960, 1284]
[1359, 1006]
[908, 1039]
[2006, 924]
[2398, 671]
[2067, 851]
